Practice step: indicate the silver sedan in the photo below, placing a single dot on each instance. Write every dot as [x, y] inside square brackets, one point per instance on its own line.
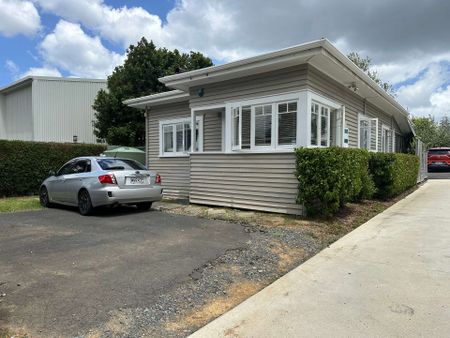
[89, 182]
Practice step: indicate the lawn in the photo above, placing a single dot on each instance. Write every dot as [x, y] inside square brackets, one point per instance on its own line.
[13, 204]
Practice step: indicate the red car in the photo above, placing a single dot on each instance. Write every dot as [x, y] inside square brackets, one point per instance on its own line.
[438, 159]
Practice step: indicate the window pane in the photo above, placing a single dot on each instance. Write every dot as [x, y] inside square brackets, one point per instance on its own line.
[314, 123]
[179, 136]
[187, 137]
[246, 117]
[235, 122]
[324, 127]
[287, 123]
[168, 139]
[364, 134]
[263, 125]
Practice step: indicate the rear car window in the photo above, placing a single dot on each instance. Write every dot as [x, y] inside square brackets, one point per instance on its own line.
[439, 152]
[119, 164]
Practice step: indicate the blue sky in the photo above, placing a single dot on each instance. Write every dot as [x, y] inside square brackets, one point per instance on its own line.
[409, 45]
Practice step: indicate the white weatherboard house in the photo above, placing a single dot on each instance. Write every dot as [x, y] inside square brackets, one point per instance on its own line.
[49, 109]
[251, 114]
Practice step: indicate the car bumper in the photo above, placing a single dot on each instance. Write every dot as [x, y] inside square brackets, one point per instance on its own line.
[115, 195]
[438, 166]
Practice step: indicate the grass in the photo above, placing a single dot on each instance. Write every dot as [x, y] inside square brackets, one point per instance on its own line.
[13, 204]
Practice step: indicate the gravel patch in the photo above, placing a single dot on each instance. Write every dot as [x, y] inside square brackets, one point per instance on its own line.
[217, 286]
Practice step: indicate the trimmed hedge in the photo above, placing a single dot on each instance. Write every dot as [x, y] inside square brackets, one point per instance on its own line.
[393, 173]
[24, 165]
[330, 177]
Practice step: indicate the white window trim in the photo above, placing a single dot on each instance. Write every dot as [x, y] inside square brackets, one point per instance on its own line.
[389, 147]
[319, 125]
[369, 119]
[162, 123]
[303, 134]
[273, 100]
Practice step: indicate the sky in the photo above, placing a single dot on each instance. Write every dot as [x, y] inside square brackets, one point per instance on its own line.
[407, 40]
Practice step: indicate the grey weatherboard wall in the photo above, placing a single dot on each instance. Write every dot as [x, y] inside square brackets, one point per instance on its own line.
[246, 180]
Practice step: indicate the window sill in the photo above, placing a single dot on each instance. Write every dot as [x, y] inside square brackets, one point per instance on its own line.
[173, 155]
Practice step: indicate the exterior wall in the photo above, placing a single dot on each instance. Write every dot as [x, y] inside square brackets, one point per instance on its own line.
[63, 108]
[265, 84]
[174, 171]
[17, 114]
[249, 181]
[212, 131]
[354, 105]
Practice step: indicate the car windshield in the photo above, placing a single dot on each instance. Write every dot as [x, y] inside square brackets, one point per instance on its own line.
[119, 164]
[439, 152]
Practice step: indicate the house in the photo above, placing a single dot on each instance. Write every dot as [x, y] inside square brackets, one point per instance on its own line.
[251, 114]
[50, 109]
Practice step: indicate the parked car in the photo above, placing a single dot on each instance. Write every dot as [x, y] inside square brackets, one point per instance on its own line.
[90, 182]
[438, 159]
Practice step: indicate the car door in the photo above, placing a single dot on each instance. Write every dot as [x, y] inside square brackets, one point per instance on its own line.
[74, 181]
[56, 185]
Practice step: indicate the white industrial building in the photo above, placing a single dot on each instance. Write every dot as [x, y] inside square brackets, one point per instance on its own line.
[49, 109]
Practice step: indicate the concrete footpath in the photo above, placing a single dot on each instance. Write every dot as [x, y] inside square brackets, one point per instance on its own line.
[388, 278]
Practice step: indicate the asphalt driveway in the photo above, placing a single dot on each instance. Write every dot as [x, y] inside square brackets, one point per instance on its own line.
[63, 273]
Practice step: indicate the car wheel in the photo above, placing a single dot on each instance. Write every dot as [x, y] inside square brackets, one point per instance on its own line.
[44, 198]
[144, 205]
[84, 203]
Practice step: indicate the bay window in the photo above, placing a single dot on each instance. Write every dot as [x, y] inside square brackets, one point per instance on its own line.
[263, 125]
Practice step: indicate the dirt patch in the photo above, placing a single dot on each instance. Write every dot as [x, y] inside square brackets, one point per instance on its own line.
[236, 294]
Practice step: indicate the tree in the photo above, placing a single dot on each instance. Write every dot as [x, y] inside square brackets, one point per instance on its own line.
[365, 65]
[432, 133]
[138, 76]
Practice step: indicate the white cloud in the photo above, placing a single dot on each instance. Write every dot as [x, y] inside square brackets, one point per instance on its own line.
[12, 67]
[18, 17]
[41, 71]
[122, 25]
[427, 95]
[69, 48]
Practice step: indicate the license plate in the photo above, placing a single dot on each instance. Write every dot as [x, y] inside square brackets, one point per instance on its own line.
[135, 181]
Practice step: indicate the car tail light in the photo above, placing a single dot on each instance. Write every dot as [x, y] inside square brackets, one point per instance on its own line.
[158, 179]
[107, 179]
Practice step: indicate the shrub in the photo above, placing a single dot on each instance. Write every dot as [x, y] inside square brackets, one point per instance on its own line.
[24, 165]
[393, 173]
[330, 177]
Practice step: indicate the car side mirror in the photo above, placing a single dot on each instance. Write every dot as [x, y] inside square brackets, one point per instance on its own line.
[51, 173]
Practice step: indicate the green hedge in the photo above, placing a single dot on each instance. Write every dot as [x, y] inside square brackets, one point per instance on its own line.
[393, 173]
[330, 177]
[24, 165]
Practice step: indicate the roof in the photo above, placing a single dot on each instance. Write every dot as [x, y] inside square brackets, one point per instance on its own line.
[321, 54]
[27, 80]
[160, 98]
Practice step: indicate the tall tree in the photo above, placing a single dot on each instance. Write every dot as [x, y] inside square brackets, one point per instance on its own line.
[365, 64]
[432, 133]
[138, 76]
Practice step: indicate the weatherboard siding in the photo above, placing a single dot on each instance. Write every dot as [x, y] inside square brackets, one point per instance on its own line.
[174, 171]
[264, 182]
[354, 105]
[264, 84]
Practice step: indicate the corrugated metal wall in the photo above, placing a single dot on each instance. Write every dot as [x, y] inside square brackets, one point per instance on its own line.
[249, 181]
[63, 108]
[17, 114]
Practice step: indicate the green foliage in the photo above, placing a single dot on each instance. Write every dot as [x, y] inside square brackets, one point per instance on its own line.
[433, 133]
[24, 165]
[365, 64]
[393, 173]
[330, 177]
[138, 76]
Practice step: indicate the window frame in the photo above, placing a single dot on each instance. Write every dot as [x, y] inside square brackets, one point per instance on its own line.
[386, 131]
[274, 102]
[369, 119]
[173, 123]
[319, 124]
